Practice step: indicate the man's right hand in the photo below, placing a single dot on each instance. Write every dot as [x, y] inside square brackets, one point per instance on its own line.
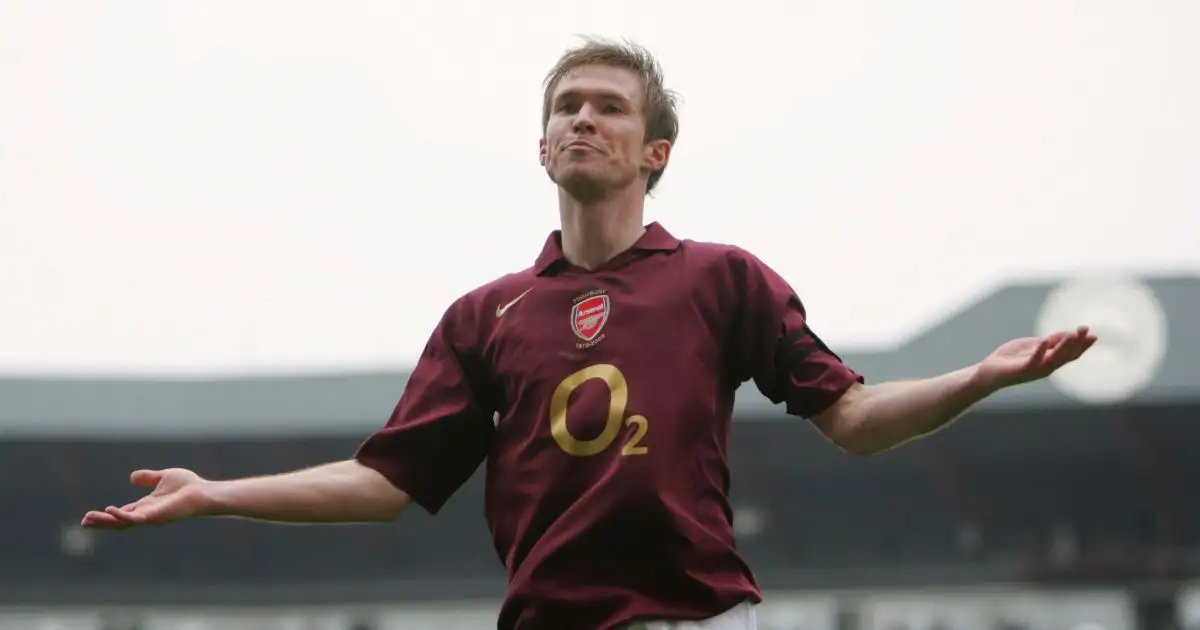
[337, 492]
[177, 493]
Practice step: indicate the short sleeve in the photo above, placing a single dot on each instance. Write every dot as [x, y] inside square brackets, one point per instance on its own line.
[440, 431]
[778, 350]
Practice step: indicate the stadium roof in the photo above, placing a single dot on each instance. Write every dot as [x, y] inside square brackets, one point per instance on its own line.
[1150, 353]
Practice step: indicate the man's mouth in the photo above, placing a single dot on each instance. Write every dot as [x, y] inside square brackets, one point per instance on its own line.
[580, 144]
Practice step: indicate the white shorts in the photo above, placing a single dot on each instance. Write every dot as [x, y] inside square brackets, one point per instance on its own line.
[740, 617]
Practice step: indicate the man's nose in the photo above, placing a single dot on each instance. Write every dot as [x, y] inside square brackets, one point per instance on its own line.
[584, 120]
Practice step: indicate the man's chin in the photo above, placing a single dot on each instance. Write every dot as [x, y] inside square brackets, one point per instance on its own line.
[582, 185]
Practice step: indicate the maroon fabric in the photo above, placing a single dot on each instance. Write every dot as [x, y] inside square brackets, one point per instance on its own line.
[602, 402]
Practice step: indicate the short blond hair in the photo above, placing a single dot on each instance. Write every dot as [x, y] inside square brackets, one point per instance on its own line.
[659, 103]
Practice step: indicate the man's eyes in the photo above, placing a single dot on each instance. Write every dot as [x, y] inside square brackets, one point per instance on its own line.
[574, 107]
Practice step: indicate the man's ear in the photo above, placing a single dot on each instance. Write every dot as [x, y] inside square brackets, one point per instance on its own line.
[656, 154]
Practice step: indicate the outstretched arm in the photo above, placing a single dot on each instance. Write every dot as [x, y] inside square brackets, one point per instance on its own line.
[436, 438]
[790, 364]
[340, 492]
[872, 418]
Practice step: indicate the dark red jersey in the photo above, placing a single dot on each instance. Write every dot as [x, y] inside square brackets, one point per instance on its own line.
[602, 402]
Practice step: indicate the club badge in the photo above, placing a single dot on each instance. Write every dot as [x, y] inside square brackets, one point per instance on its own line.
[589, 314]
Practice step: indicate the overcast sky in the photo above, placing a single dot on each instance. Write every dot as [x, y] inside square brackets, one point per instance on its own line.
[228, 187]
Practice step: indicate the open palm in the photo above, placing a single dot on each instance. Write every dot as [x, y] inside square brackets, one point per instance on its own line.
[176, 495]
[1032, 358]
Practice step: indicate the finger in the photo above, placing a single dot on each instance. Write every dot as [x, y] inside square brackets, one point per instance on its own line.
[1081, 346]
[1070, 350]
[1039, 353]
[124, 516]
[145, 477]
[102, 520]
[1057, 339]
[106, 522]
[142, 513]
[94, 515]
[1082, 334]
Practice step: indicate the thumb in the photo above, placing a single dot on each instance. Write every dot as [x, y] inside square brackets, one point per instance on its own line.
[148, 478]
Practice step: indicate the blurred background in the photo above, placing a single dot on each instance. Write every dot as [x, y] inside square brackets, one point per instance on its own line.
[226, 230]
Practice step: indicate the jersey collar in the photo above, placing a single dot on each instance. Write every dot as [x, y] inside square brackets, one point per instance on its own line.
[656, 239]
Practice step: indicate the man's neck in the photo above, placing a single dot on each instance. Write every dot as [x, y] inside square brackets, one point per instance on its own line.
[594, 233]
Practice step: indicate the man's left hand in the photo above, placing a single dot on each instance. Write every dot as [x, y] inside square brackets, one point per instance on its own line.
[1033, 358]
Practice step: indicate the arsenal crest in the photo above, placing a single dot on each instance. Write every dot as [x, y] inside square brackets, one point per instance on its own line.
[588, 317]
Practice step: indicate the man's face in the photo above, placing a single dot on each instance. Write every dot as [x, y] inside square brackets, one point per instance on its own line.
[595, 138]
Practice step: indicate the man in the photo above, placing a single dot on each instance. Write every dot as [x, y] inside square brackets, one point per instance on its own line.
[598, 386]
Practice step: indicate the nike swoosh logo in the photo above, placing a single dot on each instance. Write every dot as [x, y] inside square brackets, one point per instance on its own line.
[500, 310]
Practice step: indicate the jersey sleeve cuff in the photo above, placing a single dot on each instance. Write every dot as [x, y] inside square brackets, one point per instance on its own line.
[404, 479]
[811, 403]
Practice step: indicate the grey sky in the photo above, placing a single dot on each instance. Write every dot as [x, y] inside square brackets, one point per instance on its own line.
[230, 187]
